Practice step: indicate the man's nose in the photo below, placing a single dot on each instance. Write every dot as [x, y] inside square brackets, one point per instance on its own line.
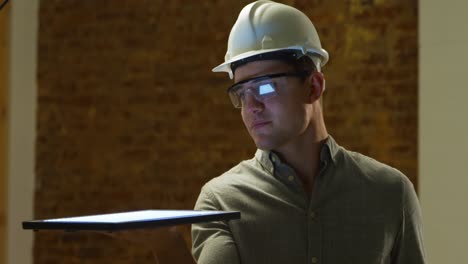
[252, 103]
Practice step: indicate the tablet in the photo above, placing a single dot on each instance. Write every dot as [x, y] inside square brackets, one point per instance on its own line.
[130, 220]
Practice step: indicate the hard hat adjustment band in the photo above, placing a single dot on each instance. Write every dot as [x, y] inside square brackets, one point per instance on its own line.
[284, 55]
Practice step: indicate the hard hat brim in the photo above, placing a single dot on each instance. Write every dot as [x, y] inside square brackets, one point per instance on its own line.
[226, 66]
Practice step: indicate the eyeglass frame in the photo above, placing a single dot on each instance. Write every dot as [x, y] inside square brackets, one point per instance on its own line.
[300, 74]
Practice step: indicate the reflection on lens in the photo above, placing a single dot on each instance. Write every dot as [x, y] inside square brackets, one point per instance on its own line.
[265, 89]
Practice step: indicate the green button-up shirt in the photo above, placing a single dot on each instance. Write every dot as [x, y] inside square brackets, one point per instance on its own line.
[360, 211]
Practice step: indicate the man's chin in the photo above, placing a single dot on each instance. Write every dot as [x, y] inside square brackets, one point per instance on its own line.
[267, 146]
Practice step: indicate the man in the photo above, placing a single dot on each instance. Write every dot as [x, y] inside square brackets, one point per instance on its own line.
[303, 198]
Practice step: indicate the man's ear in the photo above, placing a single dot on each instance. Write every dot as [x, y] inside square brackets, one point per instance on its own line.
[317, 82]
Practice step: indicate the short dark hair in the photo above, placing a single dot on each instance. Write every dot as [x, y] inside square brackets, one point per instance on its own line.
[296, 59]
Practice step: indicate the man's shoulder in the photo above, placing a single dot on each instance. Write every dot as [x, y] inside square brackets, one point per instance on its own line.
[227, 191]
[380, 182]
[241, 174]
[371, 169]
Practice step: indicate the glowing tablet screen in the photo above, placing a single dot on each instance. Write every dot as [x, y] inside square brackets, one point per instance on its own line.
[131, 216]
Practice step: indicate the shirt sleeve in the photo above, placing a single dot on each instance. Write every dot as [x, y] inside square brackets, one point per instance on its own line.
[409, 247]
[212, 242]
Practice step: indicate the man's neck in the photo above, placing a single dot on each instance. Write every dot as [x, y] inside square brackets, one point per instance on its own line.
[303, 155]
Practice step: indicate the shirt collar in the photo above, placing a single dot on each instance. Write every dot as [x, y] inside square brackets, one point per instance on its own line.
[268, 158]
[329, 150]
[263, 157]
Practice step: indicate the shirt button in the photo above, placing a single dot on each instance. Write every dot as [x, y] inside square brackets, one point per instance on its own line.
[314, 260]
[312, 215]
[291, 178]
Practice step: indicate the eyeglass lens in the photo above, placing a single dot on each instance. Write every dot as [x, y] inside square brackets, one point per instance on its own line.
[260, 91]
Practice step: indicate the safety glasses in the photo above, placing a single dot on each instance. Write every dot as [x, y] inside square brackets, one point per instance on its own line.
[261, 87]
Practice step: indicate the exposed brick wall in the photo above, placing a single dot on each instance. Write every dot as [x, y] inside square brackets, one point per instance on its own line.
[371, 103]
[131, 117]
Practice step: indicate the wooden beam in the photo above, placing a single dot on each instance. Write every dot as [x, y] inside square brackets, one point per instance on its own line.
[4, 65]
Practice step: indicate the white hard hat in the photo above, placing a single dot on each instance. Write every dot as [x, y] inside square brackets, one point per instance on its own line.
[265, 26]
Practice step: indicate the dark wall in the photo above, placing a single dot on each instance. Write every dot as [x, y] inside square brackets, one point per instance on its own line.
[131, 117]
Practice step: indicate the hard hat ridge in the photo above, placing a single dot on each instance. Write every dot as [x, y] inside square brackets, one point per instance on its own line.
[264, 27]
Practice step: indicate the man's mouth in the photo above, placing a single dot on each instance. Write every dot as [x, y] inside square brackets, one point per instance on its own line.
[259, 124]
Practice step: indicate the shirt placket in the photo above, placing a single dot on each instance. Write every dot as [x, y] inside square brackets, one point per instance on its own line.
[314, 224]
